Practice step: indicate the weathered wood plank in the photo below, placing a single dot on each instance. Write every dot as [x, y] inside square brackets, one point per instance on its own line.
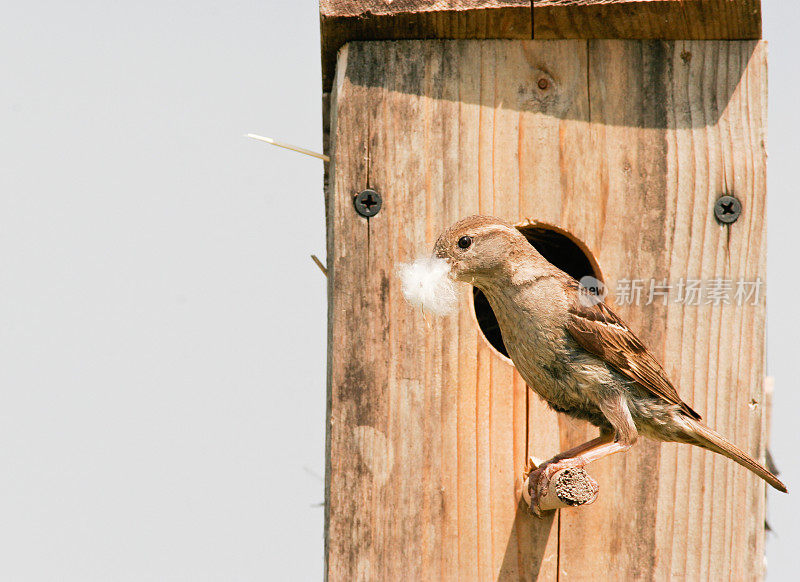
[626, 145]
[647, 19]
[342, 21]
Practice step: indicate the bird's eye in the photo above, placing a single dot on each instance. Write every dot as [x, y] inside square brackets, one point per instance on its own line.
[464, 242]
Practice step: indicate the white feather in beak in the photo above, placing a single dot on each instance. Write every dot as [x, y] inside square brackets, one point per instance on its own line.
[426, 283]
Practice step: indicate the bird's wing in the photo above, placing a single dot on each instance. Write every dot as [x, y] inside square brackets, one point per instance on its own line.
[600, 331]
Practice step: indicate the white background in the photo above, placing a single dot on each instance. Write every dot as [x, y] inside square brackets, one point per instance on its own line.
[162, 328]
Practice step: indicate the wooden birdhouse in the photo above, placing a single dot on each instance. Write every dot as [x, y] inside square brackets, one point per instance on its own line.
[612, 132]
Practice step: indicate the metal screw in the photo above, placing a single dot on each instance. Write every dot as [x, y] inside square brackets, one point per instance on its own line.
[727, 209]
[368, 203]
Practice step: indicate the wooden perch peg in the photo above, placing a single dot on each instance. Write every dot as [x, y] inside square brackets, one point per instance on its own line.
[570, 487]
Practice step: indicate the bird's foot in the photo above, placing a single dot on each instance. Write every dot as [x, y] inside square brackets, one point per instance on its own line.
[530, 466]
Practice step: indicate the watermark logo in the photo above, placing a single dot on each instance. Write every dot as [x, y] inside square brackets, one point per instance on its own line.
[687, 291]
[684, 291]
[591, 291]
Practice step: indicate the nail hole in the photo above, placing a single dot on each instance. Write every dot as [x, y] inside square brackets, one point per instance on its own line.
[543, 83]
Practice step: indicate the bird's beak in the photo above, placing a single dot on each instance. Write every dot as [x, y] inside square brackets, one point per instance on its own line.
[453, 271]
[439, 252]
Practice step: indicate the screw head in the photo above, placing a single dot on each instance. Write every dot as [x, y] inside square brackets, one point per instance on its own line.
[368, 203]
[727, 209]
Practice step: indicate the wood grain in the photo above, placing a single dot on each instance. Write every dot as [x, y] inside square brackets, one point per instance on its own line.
[626, 145]
[647, 19]
[342, 21]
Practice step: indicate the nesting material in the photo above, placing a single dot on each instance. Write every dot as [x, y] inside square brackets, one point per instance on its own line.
[426, 283]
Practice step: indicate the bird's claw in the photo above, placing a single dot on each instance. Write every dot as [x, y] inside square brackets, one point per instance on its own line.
[530, 466]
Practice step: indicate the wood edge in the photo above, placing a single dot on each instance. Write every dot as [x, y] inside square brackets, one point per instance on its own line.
[330, 114]
[645, 20]
[386, 8]
[337, 30]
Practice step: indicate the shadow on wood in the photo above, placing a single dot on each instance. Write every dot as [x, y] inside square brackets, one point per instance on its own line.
[519, 563]
[561, 78]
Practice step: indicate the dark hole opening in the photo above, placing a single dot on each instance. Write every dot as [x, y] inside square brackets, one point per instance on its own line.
[556, 247]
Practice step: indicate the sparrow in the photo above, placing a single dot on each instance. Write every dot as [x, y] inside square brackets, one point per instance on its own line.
[577, 355]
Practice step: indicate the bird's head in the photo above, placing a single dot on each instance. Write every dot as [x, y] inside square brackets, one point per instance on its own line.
[480, 248]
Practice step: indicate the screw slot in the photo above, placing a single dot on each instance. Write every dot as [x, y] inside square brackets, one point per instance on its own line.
[727, 209]
[368, 203]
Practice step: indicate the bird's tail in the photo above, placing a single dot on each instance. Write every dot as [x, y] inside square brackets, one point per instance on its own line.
[713, 441]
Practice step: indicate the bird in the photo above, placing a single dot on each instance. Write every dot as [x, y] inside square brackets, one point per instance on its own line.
[579, 356]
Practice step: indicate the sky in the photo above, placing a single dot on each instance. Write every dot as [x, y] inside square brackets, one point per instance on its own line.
[783, 281]
[163, 329]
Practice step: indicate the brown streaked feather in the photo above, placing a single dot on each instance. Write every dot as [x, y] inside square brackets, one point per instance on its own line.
[713, 441]
[600, 331]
